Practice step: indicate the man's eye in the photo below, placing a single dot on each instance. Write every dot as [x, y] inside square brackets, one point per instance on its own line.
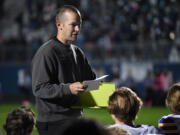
[73, 24]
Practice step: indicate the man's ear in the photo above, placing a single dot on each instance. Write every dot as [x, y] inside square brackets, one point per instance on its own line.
[58, 25]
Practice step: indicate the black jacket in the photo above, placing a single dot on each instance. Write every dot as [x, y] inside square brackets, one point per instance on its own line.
[53, 69]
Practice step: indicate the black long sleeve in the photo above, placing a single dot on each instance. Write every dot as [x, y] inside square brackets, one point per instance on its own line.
[53, 69]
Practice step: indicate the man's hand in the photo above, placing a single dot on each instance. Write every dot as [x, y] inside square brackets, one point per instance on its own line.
[77, 88]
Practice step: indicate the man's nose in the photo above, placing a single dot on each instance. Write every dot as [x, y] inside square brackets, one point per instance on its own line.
[77, 28]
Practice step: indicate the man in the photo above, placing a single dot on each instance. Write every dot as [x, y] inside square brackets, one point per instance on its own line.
[58, 67]
[20, 121]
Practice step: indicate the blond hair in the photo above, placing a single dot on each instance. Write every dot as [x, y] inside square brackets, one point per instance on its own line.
[124, 104]
[66, 8]
[173, 98]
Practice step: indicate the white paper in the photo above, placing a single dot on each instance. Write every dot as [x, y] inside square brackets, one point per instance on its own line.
[94, 84]
[102, 77]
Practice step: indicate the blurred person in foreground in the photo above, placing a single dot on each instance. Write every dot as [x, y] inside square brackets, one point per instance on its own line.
[58, 67]
[170, 124]
[20, 121]
[124, 105]
[84, 126]
[118, 131]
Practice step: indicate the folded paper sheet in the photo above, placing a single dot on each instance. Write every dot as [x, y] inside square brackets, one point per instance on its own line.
[97, 98]
[94, 84]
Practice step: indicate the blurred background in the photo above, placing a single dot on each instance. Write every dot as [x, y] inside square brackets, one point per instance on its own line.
[135, 42]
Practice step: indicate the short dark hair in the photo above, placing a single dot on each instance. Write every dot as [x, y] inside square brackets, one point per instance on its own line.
[20, 121]
[60, 11]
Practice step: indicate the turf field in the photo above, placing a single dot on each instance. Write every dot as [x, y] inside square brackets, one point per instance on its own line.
[148, 115]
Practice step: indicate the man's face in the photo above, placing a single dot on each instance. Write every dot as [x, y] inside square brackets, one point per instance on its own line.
[69, 27]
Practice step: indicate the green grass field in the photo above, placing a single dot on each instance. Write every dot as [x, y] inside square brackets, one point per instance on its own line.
[147, 115]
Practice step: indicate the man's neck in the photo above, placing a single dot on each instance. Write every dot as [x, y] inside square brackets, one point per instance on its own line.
[65, 42]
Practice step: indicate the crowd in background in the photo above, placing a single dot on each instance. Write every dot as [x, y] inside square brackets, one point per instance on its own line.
[118, 29]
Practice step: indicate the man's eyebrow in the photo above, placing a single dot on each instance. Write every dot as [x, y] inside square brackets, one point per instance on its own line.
[76, 23]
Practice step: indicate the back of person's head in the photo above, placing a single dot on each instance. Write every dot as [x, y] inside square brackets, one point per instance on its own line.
[173, 98]
[20, 122]
[84, 126]
[124, 104]
[66, 8]
[118, 131]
